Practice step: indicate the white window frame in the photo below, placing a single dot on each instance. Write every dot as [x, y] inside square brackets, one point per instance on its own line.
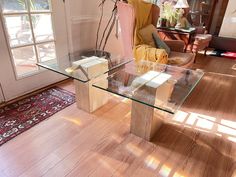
[34, 43]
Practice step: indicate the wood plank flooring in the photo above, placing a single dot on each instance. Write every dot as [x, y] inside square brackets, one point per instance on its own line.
[199, 141]
[215, 64]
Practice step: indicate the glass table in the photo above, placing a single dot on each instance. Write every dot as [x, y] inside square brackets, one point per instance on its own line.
[85, 71]
[151, 86]
[66, 66]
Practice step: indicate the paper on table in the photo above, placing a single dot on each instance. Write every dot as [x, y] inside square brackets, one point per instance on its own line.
[95, 67]
[92, 66]
[159, 80]
[83, 61]
[142, 80]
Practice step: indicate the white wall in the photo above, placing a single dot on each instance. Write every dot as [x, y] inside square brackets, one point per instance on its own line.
[82, 22]
[82, 18]
[228, 28]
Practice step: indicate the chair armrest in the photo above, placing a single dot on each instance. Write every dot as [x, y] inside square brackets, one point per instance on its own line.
[175, 45]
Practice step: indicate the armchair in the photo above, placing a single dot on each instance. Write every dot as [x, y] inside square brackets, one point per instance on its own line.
[201, 40]
[127, 15]
[178, 56]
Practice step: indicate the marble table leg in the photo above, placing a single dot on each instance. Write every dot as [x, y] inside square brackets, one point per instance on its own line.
[89, 98]
[144, 123]
[145, 119]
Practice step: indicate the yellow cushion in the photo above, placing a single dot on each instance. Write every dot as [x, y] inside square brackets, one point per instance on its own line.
[146, 35]
[147, 52]
[150, 37]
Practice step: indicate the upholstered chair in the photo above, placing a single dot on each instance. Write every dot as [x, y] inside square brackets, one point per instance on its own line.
[127, 20]
[201, 40]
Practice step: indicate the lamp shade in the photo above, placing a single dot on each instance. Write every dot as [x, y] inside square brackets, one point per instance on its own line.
[181, 4]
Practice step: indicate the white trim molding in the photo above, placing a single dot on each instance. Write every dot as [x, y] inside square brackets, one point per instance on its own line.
[87, 19]
[2, 97]
[84, 19]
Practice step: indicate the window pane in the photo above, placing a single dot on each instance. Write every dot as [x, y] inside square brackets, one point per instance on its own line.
[24, 59]
[13, 5]
[18, 28]
[40, 5]
[46, 51]
[42, 24]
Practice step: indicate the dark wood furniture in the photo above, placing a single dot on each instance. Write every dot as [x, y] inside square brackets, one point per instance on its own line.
[202, 12]
[170, 33]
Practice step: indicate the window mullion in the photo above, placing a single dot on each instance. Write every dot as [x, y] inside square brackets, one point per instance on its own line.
[14, 13]
[41, 12]
[32, 30]
[25, 13]
[32, 44]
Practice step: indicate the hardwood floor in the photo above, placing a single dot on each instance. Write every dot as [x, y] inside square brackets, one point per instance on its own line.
[215, 64]
[199, 141]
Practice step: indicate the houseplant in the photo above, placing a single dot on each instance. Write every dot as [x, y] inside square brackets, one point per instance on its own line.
[169, 13]
[101, 41]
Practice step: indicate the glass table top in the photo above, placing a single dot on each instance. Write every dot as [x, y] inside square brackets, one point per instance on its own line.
[83, 68]
[160, 86]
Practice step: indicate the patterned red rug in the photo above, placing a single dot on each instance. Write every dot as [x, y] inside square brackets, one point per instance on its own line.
[24, 114]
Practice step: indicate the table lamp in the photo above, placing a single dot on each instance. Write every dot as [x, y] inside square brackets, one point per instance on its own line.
[181, 4]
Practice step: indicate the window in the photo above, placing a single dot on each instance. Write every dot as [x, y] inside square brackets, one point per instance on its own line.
[28, 25]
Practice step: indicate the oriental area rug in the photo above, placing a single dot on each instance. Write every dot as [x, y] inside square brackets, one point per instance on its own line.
[20, 116]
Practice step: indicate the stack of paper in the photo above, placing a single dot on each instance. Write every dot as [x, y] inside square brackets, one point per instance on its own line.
[145, 78]
[91, 66]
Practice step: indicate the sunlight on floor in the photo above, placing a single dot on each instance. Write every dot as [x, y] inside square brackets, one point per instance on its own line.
[178, 175]
[128, 114]
[232, 139]
[106, 165]
[117, 138]
[76, 121]
[208, 124]
[226, 130]
[152, 162]
[165, 171]
[134, 149]
[125, 100]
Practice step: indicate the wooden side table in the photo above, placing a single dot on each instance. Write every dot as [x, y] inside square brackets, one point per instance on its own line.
[186, 35]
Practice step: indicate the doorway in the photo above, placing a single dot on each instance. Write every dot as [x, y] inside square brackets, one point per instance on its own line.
[32, 31]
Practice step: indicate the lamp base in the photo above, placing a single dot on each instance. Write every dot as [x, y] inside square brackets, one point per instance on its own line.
[178, 25]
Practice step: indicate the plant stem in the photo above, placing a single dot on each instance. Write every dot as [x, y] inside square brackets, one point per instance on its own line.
[105, 30]
[99, 24]
[110, 30]
[113, 16]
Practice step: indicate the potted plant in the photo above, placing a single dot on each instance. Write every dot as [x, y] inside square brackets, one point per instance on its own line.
[101, 41]
[169, 13]
[163, 22]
